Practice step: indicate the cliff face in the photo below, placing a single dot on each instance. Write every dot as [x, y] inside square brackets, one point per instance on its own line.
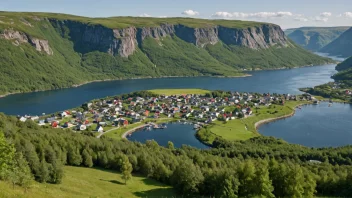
[254, 37]
[124, 42]
[20, 38]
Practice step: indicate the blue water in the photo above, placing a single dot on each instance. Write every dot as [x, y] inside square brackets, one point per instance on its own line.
[315, 126]
[179, 134]
[275, 81]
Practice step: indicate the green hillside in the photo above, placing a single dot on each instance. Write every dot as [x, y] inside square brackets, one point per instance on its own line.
[74, 50]
[90, 182]
[258, 167]
[345, 71]
[315, 38]
[342, 46]
[339, 89]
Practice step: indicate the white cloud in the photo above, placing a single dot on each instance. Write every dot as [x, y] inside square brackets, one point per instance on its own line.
[222, 15]
[346, 15]
[320, 19]
[190, 13]
[325, 14]
[251, 15]
[162, 16]
[303, 19]
[144, 15]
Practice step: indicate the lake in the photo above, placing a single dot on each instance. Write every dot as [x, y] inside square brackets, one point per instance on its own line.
[315, 126]
[273, 81]
[176, 132]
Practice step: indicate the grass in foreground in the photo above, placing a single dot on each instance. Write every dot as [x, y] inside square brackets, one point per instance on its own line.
[89, 182]
[179, 91]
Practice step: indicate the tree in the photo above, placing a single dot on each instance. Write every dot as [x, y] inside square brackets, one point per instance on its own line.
[43, 172]
[126, 168]
[246, 177]
[20, 172]
[170, 145]
[87, 158]
[294, 182]
[7, 152]
[262, 184]
[187, 177]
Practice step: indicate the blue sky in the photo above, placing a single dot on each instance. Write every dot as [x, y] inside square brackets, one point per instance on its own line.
[294, 13]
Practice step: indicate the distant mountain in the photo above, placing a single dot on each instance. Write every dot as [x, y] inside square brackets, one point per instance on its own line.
[342, 46]
[40, 51]
[315, 38]
[345, 70]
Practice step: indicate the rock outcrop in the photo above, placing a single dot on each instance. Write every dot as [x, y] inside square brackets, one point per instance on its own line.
[254, 37]
[18, 38]
[124, 41]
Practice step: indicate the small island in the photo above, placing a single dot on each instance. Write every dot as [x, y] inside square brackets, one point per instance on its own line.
[225, 114]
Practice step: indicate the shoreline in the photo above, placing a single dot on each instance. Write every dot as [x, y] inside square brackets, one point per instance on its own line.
[266, 121]
[149, 77]
[124, 135]
[118, 79]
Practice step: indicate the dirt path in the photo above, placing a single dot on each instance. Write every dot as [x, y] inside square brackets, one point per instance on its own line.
[101, 134]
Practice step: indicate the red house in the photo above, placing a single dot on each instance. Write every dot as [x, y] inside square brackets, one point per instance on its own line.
[54, 124]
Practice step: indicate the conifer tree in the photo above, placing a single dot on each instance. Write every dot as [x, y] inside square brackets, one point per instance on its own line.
[126, 168]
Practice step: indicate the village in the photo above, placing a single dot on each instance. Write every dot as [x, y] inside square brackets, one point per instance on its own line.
[111, 113]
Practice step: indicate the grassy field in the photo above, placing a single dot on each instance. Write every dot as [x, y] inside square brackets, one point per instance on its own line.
[179, 91]
[244, 129]
[89, 182]
[124, 22]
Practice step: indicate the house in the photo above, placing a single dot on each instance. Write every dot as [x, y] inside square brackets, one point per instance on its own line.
[49, 120]
[67, 125]
[34, 118]
[102, 123]
[63, 114]
[205, 108]
[23, 119]
[81, 127]
[55, 124]
[41, 122]
[100, 129]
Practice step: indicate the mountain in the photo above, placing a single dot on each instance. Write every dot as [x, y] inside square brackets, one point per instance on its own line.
[342, 46]
[40, 51]
[345, 70]
[315, 38]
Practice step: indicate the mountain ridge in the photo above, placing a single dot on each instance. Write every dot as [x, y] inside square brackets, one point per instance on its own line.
[315, 38]
[77, 49]
[342, 46]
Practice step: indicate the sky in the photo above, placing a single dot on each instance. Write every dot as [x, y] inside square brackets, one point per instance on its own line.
[287, 14]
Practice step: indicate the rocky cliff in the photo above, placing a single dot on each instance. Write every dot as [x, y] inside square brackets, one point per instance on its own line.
[123, 42]
[40, 51]
[19, 38]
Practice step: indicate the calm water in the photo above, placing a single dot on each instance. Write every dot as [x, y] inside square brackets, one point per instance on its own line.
[178, 133]
[278, 81]
[315, 126]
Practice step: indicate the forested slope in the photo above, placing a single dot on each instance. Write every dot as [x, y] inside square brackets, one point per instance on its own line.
[40, 51]
[263, 166]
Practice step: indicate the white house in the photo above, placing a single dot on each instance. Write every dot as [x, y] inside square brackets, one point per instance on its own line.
[82, 127]
[63, 114]
[100, 129]
[23, 119]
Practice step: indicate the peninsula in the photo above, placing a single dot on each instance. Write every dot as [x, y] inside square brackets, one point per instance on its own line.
[229, 115]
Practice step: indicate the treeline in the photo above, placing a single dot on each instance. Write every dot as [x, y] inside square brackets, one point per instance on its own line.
[263, 167]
